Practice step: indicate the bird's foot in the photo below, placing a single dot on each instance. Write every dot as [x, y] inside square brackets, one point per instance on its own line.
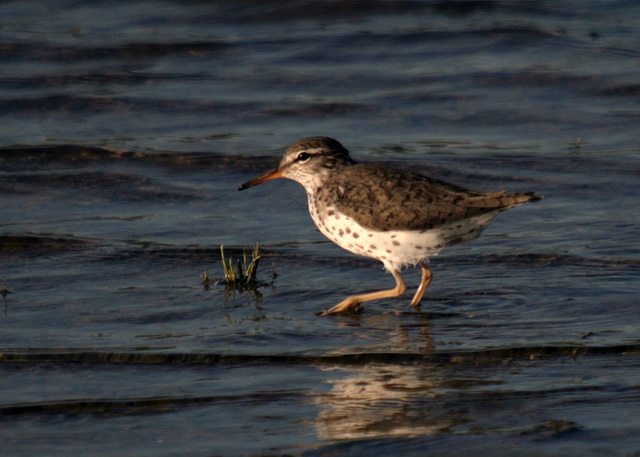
[346, 306]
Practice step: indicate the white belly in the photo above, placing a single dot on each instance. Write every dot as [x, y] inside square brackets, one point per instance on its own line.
[395, 248]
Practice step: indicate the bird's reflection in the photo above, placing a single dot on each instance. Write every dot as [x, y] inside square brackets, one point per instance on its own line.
[390, 397]
[385, 400]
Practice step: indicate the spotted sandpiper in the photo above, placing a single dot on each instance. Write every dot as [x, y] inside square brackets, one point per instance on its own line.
[397, 217]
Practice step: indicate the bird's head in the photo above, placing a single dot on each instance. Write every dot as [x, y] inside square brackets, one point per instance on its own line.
[307, 161]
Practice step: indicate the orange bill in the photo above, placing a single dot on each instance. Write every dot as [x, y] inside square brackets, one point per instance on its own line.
[268, 176]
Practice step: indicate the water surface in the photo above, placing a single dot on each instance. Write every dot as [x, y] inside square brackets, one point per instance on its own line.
[125, 130]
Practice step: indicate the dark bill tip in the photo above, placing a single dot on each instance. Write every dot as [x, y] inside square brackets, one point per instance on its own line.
[268, 176]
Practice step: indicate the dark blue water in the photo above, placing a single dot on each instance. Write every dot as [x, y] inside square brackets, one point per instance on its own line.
[125, 130]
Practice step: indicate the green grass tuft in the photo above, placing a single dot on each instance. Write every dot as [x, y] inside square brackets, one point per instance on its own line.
[240, 274]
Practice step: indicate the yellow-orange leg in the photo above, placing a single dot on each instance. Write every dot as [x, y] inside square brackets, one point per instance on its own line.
[426, 280]
[352, 303]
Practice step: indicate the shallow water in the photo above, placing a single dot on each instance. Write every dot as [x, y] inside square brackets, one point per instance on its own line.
[125, 130]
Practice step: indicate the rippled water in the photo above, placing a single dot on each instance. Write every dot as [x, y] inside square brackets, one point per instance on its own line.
[125, 130]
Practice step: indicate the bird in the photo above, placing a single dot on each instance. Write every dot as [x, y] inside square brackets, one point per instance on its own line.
[397, 217]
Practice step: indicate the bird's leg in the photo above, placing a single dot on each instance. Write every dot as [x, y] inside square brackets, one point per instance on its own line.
[353, 303]
[426, 280]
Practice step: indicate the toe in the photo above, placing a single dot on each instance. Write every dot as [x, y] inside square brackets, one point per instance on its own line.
[347, 306]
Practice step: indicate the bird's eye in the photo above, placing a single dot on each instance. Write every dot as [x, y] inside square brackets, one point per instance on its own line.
[303, 157]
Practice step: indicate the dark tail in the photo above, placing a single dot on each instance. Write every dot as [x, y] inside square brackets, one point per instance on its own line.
[511, 200]
[501, 200]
